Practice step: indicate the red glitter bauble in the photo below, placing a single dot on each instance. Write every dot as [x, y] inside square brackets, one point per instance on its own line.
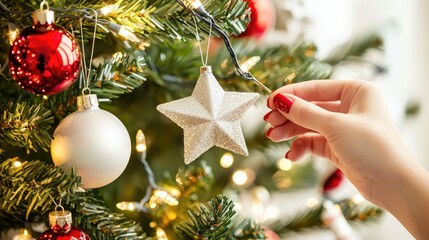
[262, 18]
[44, 59]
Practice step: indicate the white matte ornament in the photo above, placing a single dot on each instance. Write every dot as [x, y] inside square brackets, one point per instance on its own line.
[210, 117]
[93, 141]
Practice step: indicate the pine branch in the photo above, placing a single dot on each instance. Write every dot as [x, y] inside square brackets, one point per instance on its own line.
[247, 229]
[208, 221]
[100, 222]
[354, 49]
[311, 219]
[27, 190]
[151, 20]
[176, 68]
[25, 125]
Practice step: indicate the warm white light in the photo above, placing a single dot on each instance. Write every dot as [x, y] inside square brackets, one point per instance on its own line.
[25, 235]
[165, 197]
[104, 11]
[312, 202]
[123, 32]
[196, 4]
[126, 206]
[17, 163]
[13, 32]
[250, 63]
[261, 193]
[358, 199]
[240, 177]
[257, 209]
[160, 234]
[45, 97]
[284, 164]
[227, 160]
[272, 212]
[140, 141]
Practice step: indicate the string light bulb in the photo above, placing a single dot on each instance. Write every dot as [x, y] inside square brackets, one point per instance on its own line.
[23, 235]
[284, 164]
[240, 177]
[17, 163]
[358, 199]
[164, 196]
[13, 32]
[123, 32]
[127, 206]
[312, 202]
[140, 141]
[160, 234]
[227, 160]
[250, 63]
[106, 10]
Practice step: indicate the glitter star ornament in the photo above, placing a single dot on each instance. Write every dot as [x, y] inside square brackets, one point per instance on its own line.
[210, 117]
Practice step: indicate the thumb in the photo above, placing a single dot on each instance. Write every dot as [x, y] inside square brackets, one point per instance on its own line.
[301, 112]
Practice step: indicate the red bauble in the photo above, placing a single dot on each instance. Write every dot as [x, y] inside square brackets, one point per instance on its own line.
[261, 19]
[44, 58]
[270, 235]
[333, 181]
[61, 228]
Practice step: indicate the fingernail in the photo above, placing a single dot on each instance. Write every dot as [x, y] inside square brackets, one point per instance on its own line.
[268, 102]
[282, 102]
[267, 134]
[267, 115]
[287, 155]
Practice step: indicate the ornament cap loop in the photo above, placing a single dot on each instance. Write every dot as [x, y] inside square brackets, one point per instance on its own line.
[88, 101]
[60, 218]
[205, 69]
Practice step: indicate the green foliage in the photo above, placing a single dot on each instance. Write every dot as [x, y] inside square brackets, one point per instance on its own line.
[311, 219]
[25, 125]
[100, 222]
[208, 221]
[28, 190]
[247, 229]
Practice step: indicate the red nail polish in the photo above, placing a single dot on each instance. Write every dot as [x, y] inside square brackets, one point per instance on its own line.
[267, 115]
[268, 133]
[287, 154]
[282, 103]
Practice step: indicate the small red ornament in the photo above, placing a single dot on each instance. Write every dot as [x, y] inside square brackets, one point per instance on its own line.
[271, 235]
[44, 58]
[333, 181]
[60, 223]
[262, 18]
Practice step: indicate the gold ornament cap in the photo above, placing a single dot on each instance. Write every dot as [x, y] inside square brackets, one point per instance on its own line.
[43, 17]
[60, 218]
[87, 101]
[206, 69]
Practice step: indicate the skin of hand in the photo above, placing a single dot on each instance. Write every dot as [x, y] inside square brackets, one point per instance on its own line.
[347, 122]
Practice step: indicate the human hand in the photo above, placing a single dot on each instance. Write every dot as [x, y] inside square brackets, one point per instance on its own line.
[346, 122]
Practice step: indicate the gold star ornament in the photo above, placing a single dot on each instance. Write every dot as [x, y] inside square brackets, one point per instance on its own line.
[210, 117]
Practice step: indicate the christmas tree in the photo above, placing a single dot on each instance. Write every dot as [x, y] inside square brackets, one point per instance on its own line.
[134, 55]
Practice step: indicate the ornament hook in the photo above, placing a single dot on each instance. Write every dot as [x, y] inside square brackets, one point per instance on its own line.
[43, 4]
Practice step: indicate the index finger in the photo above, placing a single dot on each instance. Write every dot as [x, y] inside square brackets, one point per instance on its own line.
[319, 90]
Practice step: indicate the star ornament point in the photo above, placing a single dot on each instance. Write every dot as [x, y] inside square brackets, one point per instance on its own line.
[210, 117]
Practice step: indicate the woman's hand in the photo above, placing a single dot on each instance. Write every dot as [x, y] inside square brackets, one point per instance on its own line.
[348, 123]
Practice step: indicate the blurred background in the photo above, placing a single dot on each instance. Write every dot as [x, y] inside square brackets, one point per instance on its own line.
[404, 62]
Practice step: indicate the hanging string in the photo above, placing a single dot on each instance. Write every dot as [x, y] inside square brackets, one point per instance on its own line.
[209, 20]
[197, 36]
[87, 70]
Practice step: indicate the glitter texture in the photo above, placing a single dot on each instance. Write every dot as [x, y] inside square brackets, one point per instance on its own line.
[210, 117]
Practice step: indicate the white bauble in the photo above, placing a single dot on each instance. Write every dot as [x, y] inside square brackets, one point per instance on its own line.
[94, 142]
